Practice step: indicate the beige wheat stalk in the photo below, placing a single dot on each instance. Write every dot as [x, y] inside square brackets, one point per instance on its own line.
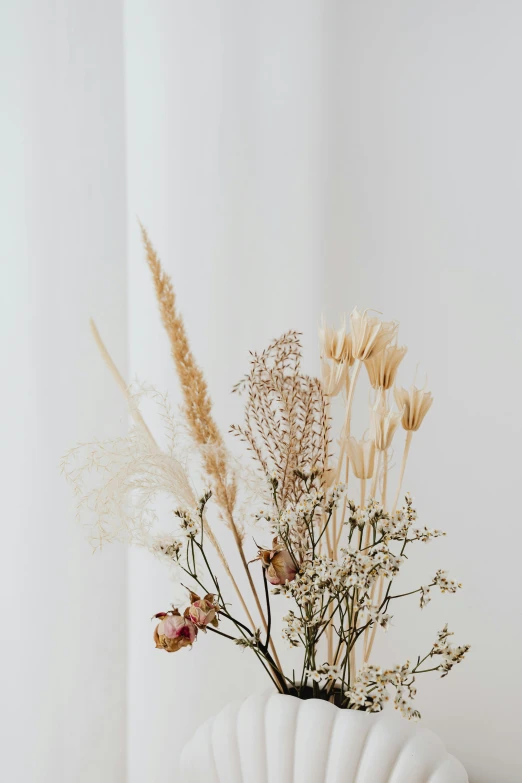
[198, 412]
[138, 418]
[118, 377]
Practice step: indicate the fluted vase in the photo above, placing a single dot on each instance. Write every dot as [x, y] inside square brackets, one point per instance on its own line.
[270, 738]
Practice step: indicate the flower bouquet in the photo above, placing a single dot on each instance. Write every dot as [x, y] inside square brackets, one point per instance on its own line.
[334, 536]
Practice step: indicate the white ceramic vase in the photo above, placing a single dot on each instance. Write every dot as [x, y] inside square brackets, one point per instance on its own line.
[270, 738]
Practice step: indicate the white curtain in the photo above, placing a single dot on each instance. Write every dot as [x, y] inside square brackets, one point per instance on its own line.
[288, 158]
[62, 193]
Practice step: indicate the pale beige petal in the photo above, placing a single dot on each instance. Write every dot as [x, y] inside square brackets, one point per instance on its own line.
[415, 404]
[383, 423]
[382, 366]
[370, 335]
[361, 454]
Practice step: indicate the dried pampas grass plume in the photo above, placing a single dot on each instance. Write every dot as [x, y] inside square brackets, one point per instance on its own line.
[176, 484]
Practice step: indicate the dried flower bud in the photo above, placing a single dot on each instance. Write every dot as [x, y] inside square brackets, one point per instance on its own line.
[336, 345]
[383, 424]
[361, 454]
[382, 366]
[414, 404]
[333, 377]
[202, 611]
[174, 631]
[370, 335]
[278, 562]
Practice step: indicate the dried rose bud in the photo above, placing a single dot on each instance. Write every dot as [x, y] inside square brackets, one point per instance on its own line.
[174, 631]
[280, 567]
[202, 611]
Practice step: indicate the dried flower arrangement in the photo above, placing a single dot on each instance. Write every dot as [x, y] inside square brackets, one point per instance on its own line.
[334, 559]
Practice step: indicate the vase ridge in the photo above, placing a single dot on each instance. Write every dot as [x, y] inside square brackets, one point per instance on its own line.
[271, 738]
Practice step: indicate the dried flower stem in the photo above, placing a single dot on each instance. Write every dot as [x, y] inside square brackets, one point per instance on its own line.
[407, 444]
[384, 480]
[363, 492]
[373, 492]
[345, 432]
[345, 505]
[369, 644]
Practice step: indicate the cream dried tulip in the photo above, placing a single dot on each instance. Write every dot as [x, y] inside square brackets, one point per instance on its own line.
[361, 454]
[370, 335]
[383, 424]
[414, 403]
[336, 345]
[382, 366]
[174, 631]
[333, 377]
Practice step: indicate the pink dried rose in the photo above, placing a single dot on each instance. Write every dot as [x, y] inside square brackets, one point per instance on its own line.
[174, 631]
[202, 611]
[279, 564]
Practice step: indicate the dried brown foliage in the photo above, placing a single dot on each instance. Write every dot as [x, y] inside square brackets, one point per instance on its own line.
[286, 423]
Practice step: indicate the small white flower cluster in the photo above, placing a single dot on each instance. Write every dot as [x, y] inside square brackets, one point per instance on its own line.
[292, 524]
[293, 630]
[425, 595]
[166, 546]
[389, 526]
[400, 524]
[310, 501]
[451, 655]
[318, 579]
[334, 495]
[323, 577]
[266, 516]
[308, 504]
[383, 620]
[425, 534]
[396, 527]
[324, 674]
[446, 585]
[253, 641]
[441, 581]
[370, 690]
[189, 523]
[362, 515]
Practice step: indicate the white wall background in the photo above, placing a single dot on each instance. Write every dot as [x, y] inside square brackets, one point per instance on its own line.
[62, 245]
[288, 158]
